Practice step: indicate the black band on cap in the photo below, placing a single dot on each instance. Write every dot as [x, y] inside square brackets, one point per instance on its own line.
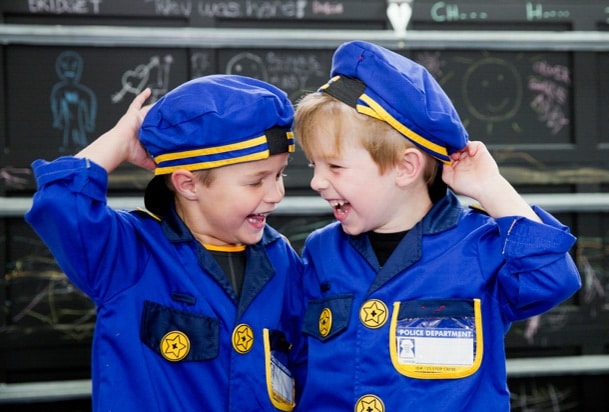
[346, 89]
[277, 140]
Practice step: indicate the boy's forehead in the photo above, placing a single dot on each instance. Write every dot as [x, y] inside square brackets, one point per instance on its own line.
[323, 148]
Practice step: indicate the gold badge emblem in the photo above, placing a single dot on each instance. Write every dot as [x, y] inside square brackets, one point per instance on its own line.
[175, 345]
[325, 322]
[243, 338]
[369, 403]
[373, 313]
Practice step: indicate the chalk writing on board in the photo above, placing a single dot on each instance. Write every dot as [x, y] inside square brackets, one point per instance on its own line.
[288, 71]
[154, 74]
[64, 6]
[259, 9]
[536, 11]
[172, 7]
[327, 8]
[550, 86]
[449, 12]
[73, 105]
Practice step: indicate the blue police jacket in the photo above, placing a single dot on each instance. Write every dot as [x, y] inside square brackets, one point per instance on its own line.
[171, 334]
[425, 332]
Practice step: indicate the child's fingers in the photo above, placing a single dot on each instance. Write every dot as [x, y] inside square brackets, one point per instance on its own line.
[140, 99]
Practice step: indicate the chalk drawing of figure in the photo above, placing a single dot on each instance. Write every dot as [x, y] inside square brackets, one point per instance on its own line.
[74, 105]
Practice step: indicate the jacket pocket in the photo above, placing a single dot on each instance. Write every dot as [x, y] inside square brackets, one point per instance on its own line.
[328, 317]
[436, 339]
[178, 335]
[279, 381]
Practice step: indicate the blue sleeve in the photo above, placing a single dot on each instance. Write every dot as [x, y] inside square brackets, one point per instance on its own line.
[93, 244]
[539, 273]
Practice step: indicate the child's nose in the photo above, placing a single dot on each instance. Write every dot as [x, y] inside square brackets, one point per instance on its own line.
[318, 182]
[276, 192]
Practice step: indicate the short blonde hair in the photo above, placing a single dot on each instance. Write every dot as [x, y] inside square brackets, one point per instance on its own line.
[319, 112]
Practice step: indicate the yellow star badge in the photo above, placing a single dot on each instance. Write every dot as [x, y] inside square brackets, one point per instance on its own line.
[175, 346]
[374, 313]
[243, 338]
[369, 403]
[325, 322]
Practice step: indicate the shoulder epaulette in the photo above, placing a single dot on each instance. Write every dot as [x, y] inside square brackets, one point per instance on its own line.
[477, 208]
[142, 211]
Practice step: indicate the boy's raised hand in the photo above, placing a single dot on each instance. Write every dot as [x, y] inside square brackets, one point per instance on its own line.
[121, 143]
[475, 174]
[131, 122]
[472, 171]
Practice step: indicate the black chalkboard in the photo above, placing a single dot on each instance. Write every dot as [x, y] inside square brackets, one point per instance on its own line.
[603, 84]
[527, 106]
[511, 98]
[520, 103]
[60, 99]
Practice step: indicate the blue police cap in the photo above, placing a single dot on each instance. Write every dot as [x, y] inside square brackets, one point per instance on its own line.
[390, 87]
[214, 121]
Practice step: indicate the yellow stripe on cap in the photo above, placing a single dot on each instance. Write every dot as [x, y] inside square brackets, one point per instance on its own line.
[256, 141]
[376, 110]
[291, 146]
[332, 80]
[213, 164]
[211, 150]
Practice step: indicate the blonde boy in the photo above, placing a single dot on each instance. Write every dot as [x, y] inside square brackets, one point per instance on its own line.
[408, 294]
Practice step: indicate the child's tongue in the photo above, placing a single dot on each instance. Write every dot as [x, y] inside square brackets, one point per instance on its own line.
[257, 221]
[341, 211]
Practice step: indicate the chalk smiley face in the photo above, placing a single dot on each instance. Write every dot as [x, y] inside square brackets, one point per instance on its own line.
[500, 85]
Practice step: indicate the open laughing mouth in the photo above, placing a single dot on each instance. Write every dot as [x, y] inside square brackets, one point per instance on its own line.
[257, 220]
[340, 207]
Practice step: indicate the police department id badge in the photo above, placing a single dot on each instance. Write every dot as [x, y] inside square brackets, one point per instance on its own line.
[435, 339]
[279, 381]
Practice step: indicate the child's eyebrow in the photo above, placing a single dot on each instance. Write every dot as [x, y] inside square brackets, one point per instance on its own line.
[262, 173]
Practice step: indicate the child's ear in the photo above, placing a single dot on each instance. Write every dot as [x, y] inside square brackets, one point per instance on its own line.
[184, 182]
[410, 167]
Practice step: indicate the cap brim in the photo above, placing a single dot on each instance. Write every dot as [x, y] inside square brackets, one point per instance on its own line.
[158, 197]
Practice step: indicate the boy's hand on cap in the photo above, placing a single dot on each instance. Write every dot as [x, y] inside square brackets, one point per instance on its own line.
[121, 143]
[472, 172]
[129, 126]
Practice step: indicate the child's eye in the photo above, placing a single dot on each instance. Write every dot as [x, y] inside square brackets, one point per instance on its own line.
[311, 165]
[281, 175]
